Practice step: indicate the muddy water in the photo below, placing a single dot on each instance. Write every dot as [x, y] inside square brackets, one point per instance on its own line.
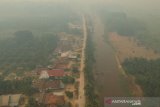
[108, 79]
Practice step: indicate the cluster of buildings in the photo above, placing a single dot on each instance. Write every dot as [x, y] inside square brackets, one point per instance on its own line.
[50, 79]
[68, 42]
[49, 82]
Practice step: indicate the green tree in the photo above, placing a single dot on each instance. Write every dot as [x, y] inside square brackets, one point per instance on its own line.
[69, 94]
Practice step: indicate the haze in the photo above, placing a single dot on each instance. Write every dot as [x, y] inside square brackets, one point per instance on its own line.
[76, 53]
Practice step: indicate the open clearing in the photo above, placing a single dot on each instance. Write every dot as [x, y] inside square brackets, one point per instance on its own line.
[127, 47]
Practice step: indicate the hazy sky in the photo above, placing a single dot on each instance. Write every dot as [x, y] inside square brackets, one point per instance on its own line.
[130, 3]
[150, 6]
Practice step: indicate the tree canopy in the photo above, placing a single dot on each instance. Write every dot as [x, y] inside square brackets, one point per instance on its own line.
[146, 73]
[26, 51]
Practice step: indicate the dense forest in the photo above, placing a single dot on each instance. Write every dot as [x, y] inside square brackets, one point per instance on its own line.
[17, 86]
[124, 25]
[24, 51]
[147, 73]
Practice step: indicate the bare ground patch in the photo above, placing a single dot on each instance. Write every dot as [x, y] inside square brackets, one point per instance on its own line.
[128, 47]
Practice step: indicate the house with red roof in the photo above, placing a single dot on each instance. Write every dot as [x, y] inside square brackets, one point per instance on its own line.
[48, 85]
[54, 73]
[52, 100]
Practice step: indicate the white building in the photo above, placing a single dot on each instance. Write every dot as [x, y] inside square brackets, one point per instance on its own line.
[44, 75]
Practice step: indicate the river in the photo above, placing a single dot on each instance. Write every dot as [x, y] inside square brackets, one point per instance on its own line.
[109, 81]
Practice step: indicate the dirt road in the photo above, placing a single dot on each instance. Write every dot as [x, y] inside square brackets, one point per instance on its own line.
[81, 101]
[109, 81]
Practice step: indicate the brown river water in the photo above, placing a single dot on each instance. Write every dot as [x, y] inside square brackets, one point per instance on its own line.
[109, 81]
